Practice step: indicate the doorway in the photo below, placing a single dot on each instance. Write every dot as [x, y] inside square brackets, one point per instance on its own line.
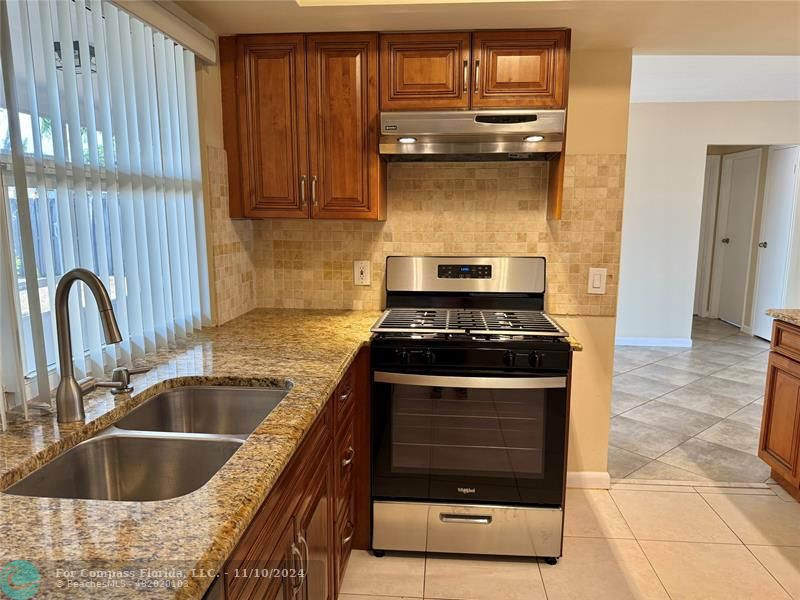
[746, 256]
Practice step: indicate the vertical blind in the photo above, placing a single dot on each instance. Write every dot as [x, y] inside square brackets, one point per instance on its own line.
[100, 162]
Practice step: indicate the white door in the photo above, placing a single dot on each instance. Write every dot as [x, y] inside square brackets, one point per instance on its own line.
[702, 288]
[780, 197]
[734, 233]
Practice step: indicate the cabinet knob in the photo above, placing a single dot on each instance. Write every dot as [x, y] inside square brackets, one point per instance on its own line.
[349, 455]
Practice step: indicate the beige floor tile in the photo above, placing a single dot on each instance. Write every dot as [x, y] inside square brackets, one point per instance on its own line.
[592, 513]
[391, 575]
[763, 520]
[711, 572]
[672, 517]
[462, 578]
[374, 597]
[600, 569]
[784, 564]
[742, 491]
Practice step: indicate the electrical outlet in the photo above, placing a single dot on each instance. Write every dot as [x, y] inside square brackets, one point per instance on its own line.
[361, 272]
[597, 280]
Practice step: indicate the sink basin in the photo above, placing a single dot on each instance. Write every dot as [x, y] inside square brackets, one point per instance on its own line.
[206, 409]
[122, 466]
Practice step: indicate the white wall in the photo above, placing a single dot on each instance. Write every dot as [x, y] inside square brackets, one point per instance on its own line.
[667, 145]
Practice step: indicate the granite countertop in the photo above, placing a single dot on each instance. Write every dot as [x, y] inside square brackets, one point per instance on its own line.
[790, 315]
[182, 540]
[181, 536]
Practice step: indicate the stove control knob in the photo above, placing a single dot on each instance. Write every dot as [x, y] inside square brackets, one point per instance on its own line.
[535, 359]
[430, 357]
[402, 355]
[508, 358]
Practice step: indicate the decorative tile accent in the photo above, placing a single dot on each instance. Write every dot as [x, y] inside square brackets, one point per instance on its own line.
[454, 208]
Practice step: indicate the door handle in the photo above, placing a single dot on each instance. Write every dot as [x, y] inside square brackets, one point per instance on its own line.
[726, 240]
[302, 191]
[762, 245]
[472, 519]
[466, 76]
[477, 80]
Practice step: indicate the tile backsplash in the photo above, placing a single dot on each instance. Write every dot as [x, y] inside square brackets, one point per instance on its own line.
[487, 208]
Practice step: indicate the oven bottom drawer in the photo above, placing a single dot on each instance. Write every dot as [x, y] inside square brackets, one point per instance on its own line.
[467, 529]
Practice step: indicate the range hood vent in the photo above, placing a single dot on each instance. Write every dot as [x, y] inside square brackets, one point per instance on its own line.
[472, 135]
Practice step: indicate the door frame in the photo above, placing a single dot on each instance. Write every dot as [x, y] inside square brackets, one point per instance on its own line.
[793, 246]
[708, 224]
[723, 206]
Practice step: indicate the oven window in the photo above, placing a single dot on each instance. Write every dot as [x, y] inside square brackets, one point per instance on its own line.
[452, 431]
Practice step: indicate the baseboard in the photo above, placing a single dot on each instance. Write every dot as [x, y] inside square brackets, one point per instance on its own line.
[599, 480]
[651, 341]
[747, 330]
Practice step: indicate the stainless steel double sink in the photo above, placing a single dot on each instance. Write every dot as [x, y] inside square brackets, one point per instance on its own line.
[170, 445]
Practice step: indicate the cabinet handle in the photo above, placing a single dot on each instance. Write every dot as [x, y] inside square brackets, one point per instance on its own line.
[297, 583]
[466, 76]
[349, 454]
[304, 543]
[314, 190]
[477, 75]
[345, 396]
[346, 539]
[302, 191]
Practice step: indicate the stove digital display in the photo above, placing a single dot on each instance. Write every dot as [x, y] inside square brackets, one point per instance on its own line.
[465, 271]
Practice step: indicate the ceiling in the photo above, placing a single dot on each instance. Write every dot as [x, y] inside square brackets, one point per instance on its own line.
[647, 26]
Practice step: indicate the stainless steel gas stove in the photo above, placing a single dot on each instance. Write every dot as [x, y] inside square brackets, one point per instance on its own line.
[469, 409]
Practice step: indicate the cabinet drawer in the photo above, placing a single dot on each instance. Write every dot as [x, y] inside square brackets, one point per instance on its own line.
[345, 461]
[786, 339]
[344, 394]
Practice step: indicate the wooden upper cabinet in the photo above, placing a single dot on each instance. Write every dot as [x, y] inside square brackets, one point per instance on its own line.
[421, 71]
[271, 95]
[345, 169]
[520, 69]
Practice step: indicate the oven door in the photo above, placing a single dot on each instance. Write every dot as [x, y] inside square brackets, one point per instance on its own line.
[470, 439]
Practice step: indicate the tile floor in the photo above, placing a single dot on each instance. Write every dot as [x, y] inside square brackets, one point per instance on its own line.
[690, 414]
[687, 541]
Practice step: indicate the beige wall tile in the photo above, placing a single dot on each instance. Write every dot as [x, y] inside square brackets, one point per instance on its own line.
[454, 208]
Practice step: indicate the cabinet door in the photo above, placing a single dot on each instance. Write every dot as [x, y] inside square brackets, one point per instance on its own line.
[315, 532]
[780, 427]
[272, 125]
[271, 573]
[346, 171]
[520, 69]
[424, 71]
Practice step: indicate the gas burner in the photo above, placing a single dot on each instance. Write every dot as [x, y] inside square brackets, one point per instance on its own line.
[472, 322]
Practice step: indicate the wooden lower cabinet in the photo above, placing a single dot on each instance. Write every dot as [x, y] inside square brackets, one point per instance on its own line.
[780, 427]
[297, 546]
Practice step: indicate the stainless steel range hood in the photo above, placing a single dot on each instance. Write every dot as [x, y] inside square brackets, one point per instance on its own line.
[474, 134]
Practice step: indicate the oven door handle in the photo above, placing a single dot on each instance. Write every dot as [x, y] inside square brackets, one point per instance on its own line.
[504, 383]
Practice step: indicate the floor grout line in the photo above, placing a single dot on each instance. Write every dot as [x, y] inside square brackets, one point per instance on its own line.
[700, 378]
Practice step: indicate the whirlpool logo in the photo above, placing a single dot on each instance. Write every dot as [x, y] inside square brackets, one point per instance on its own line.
[20, 580]
[466, 490]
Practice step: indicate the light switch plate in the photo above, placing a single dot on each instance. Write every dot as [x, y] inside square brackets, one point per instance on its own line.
[361, 272]
[597, 280]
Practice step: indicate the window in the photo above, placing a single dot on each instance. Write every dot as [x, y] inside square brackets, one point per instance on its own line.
[100, 167]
